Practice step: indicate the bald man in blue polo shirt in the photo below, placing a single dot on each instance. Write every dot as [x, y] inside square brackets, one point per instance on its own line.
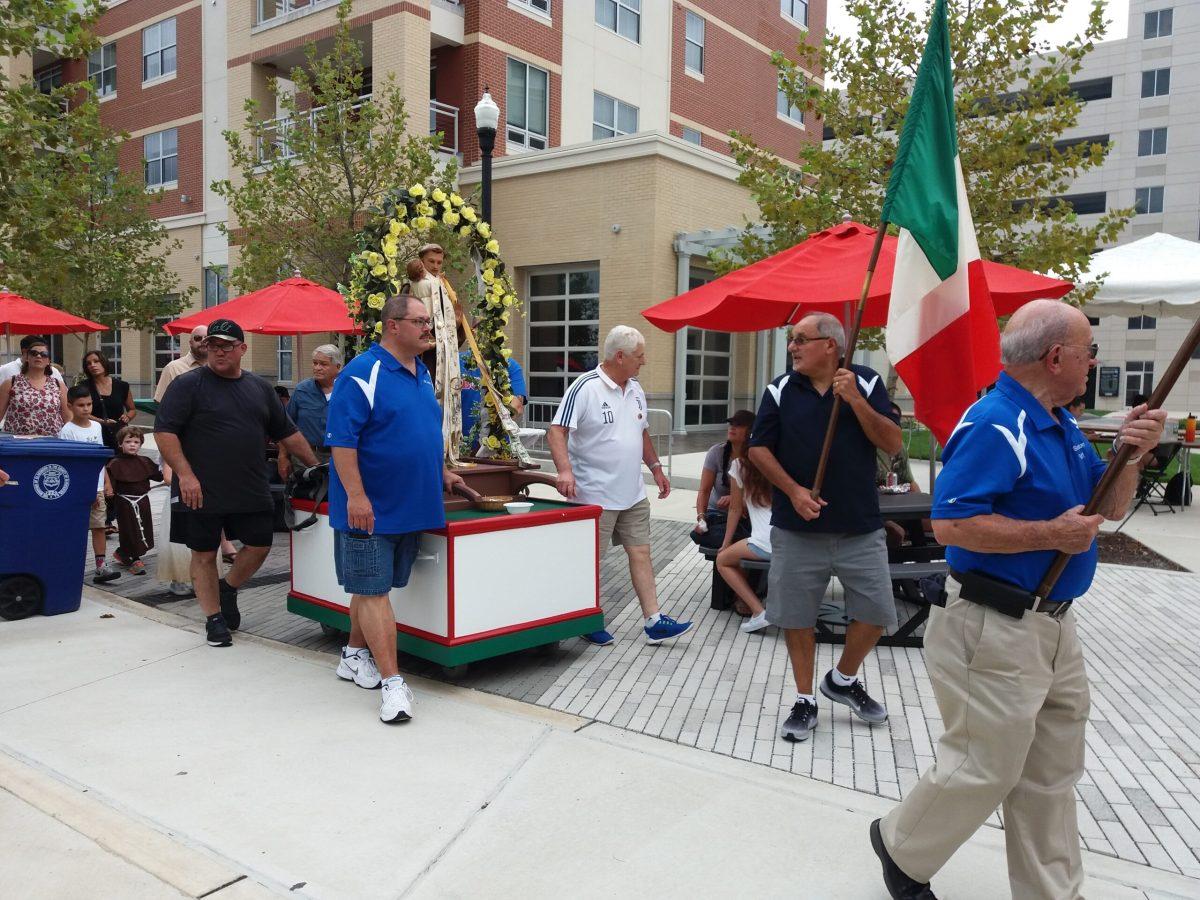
[1007, 673]
[385, 488]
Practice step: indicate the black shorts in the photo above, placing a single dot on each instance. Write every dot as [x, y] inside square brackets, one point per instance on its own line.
[202, 531]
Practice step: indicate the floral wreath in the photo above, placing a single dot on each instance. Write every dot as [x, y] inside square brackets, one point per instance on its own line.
[408, 217]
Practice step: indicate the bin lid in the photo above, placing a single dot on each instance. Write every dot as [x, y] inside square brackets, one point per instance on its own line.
[12, 446]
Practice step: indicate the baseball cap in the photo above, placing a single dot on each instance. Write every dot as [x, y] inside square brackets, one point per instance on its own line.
[743, 418]
[226, 330]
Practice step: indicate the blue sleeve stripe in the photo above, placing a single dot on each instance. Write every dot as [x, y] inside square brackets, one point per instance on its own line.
[568, 407]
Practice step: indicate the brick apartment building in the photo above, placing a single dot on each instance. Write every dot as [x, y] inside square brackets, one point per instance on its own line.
[612, 160]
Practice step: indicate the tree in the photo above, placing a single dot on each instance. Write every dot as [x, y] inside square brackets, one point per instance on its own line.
[1013, 102]
[309, 178]
[93, 245]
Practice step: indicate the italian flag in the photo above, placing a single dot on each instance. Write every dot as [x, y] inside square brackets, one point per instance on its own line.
[941, 331]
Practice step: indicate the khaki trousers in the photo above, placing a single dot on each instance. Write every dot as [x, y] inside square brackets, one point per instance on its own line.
[1013, 695]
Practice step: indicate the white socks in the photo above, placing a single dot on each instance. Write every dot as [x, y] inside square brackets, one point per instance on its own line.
[349, 651]
[808, 698]
[653, 620]
[841, 680]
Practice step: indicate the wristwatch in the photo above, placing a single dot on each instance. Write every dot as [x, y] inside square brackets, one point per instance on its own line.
[655, 465]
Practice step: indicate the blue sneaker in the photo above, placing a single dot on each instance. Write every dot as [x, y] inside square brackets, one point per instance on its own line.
[600, 638]
[665, 629]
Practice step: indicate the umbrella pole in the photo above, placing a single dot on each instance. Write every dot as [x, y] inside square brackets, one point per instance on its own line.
[851, 340]
[1117, 464]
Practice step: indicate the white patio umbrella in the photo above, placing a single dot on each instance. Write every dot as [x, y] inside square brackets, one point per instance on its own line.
[1158, 275]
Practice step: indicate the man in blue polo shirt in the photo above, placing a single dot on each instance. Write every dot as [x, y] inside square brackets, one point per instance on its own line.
[841, 533]
[385, 488]
[1007, 670]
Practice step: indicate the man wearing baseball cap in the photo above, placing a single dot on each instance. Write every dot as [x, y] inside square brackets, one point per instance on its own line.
[212, 428]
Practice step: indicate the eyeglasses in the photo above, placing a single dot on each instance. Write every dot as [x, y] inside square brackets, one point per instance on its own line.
[39, 353]
[220, 346]
[1093, 350]
[801, 339]
[421, 322]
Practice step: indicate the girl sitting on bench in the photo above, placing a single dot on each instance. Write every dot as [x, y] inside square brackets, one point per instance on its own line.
[750, 491]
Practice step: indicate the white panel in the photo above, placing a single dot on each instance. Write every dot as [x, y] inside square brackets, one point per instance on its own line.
[503, 578]
[422, 604]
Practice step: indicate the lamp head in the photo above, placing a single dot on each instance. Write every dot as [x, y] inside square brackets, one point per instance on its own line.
[487, 113]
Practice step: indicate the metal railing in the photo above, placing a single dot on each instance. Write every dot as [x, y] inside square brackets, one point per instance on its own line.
[539, 413]
[274, 143]
[443, 119]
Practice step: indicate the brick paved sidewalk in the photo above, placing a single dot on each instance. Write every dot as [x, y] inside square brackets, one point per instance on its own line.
[727, 692]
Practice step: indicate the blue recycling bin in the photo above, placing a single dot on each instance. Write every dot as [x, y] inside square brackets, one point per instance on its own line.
[44, 523]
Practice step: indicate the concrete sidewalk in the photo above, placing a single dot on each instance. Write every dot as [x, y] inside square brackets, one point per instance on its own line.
[137, 762]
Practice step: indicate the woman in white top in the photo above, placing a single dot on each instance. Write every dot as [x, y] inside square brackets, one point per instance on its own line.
[749, 490]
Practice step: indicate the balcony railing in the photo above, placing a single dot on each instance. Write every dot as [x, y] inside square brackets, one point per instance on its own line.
[275, 141]
[273, 9]
[443, 118]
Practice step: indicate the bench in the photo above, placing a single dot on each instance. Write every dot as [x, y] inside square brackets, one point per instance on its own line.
[906, 574]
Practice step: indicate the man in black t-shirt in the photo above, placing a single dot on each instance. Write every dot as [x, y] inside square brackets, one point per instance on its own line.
[212, 428]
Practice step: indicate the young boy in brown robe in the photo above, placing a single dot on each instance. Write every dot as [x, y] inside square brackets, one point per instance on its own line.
[130, 475]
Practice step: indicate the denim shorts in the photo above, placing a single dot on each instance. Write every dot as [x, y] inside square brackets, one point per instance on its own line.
[372, 564]
[759, 552]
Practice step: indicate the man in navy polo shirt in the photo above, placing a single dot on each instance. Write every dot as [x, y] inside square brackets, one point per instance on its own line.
[841, 533]
[1009, 678]
[385, 488]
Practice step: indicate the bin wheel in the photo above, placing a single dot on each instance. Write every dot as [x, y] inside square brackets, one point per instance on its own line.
[20, 596]
[455, 671]
[332, 632]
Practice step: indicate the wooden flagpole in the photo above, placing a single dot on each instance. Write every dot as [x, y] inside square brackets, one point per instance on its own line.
[851, 341]
[1117, 465]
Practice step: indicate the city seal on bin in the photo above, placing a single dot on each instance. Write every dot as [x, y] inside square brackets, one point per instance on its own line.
[51, 481]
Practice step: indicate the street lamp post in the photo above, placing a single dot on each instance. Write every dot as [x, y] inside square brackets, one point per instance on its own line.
[487, 117]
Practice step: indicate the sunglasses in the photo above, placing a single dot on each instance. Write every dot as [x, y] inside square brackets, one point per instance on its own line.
[43, 354]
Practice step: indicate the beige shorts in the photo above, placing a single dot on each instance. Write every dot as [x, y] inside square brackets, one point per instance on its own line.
[96, 516]
[626, 527]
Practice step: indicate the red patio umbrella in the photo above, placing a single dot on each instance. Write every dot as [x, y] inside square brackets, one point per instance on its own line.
[823, 274]
[292, 306]
[20, 315]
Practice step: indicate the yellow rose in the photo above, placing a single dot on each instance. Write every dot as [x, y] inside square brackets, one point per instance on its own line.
[451, 219]
[456, 200]
[378, 327]
[394, 227]
[416, 190]
[484, 229]
[375, 301]
[424, 208]
[465, 231]
[490, 263]
[379, 271]
[504, 317]
[492, 246]
[508, 300]
[488, 277]
[468, 213]
[366, 257]
[404, 229]
[492, 302]
[390, 249]
[401, 212]
[438, 195]
[391, 269]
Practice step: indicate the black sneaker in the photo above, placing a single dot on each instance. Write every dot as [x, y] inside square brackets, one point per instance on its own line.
[218, 631]
[229, 607]
[856, 697]
[899, 885]
[800, 724]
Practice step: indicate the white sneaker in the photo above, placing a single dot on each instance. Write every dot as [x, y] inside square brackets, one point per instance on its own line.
[755, 623]
[180, 589]
[360, 668]
[396, 705]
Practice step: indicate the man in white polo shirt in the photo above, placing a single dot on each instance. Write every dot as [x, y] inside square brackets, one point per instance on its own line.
[599, 439]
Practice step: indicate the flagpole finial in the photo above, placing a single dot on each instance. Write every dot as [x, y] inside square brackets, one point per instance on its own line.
[296, 272]
[846, 217]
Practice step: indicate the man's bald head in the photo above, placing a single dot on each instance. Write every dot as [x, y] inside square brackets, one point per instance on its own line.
[1036, 327]
[200, 332]
[196, 346]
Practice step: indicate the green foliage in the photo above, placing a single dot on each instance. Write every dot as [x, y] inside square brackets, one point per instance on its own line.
[1013, 103]
[308, 180]
[74, 232]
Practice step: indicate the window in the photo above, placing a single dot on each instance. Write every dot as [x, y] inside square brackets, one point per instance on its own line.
[162, 158]
[622, 16]
[693, 43]
[158, 49]
[1148, 200]
[102, 69]
[1139, 379]
[1156, 83]
[542, 6]
[1092, 89]
[527, 107]
[216, 286]
[1152, 141]
[49, 79]
[692, 136]
[166, 346]
[110, 346]
[706, 390]
[796, 10]
[564, 329]
[283, 369]
[786, 109]
[611, 117]
[1158, 24]
[1142, 323]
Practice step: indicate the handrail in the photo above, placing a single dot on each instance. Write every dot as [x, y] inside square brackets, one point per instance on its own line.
[439, 110]
[283, 125]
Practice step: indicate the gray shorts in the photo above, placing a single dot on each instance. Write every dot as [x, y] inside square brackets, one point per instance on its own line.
[801, 565]
[626, 527]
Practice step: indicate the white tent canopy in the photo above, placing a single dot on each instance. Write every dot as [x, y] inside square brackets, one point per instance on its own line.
[1158, 275]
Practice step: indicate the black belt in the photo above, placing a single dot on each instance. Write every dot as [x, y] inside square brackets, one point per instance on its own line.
[1006, 598]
